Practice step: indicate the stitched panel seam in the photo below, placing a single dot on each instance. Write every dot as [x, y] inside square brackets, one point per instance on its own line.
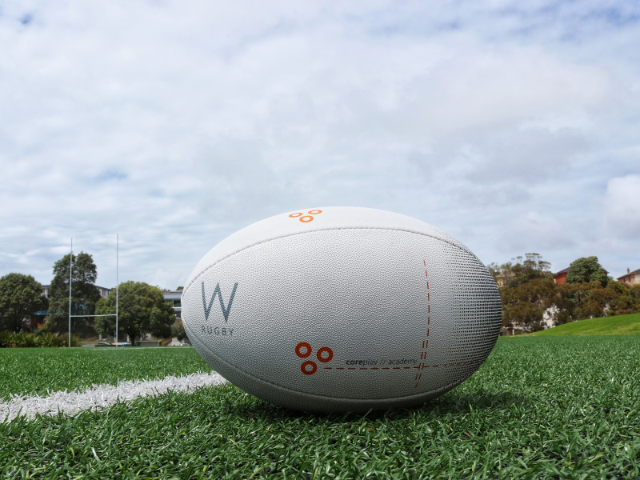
[188, 286]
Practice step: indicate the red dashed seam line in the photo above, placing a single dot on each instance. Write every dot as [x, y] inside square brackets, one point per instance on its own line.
[449, 365]
[425, 343]
[371, 368]
[421, 366]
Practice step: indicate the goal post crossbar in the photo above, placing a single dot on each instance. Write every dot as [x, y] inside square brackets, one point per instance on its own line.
[71, 285]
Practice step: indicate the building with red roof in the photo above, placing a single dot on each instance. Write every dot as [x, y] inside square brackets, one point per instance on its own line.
[561, 276]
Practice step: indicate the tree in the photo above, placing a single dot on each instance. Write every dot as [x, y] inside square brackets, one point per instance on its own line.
[589, 300]
[585, 270]
[178, 331]
[519, 271]
[85, 294]
[526, 314]
[142, 310]
[600, 301]
[565, 303]
[529, 293]
[532, 268]
[525, 303]
[626, 299]
[20, 299]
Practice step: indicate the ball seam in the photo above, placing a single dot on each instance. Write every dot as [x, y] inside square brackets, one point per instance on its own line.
[195, 279]
[327, 397]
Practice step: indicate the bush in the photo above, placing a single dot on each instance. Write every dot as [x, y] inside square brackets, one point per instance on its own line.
[26, 340]
[48, 339]
[6, 339]
[75, 341]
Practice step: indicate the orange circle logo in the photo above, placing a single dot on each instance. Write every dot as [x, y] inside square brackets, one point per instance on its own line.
[325, 354]
[309, 368]
[303, 349]
[305, 218]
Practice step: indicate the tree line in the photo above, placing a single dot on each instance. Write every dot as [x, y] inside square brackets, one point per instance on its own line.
[25, 310]
[528, 292]
[530, 296]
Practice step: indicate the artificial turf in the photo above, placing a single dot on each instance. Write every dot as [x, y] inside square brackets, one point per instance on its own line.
[31, 371]
[617, 325]
[559, 407]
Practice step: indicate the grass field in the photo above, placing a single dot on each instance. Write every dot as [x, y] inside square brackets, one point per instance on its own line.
[618, 325]
[563, 407]
[29, 371]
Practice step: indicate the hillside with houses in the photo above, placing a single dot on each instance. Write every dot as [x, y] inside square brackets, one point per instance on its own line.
[534, 298]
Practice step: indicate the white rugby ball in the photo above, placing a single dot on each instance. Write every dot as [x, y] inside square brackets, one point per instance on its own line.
[342, 309]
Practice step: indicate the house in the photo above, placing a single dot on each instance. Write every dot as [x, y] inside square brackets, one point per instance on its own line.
[549, 317]
[175, 297]
[561, 276]
[631, 278]
[513, 328]
[502, 279]
[104, 292]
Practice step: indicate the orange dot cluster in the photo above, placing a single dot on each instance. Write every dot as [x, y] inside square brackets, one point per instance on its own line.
[304, 350]
[306, 218]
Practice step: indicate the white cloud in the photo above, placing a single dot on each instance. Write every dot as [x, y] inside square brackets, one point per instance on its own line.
[175, 124]
[536, 232]
[622, 203]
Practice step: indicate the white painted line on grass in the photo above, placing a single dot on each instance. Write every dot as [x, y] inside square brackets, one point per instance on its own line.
[102, 396]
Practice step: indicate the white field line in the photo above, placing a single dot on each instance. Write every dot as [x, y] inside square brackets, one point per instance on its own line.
[101, 396]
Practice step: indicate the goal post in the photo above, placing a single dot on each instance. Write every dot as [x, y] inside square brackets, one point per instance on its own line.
[70, 287]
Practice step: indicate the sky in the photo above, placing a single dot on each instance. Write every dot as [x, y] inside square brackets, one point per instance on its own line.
[512, 125]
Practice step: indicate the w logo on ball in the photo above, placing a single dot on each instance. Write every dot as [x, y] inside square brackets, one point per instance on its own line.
[303, 350]
[225, 310]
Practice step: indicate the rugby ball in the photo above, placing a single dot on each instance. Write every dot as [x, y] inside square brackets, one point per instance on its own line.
[342, 309]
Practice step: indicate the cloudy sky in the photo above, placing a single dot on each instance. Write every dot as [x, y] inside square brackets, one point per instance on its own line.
[512, 125]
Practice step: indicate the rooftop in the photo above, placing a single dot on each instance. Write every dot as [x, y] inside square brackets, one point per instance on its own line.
[635, 272]
[176, 295]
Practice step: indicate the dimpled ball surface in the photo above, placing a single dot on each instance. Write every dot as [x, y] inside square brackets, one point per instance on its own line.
[342, 309]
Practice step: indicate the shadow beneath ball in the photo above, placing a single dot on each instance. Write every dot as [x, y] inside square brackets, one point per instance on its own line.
[451, 403]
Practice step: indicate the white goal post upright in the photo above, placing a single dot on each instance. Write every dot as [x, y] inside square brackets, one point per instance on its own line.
[117, 284]
[71, 282]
